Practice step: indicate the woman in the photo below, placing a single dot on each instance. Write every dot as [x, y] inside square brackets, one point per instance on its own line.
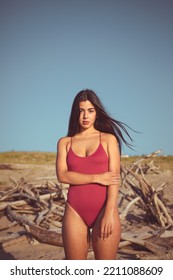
[88, 159]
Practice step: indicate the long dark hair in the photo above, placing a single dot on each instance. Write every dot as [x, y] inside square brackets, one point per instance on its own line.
[104, 122]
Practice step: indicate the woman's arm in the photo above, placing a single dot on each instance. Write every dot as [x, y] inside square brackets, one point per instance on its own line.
[75, 178]
[112, 191]
[114, 165]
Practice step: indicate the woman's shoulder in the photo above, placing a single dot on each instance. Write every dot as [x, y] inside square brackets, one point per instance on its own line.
[109, 138]
[111, 144]
[63, 141]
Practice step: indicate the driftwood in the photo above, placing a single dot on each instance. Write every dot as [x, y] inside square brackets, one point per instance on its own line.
[156, 249]
[139, 168]
[148, 195]
[45, 236]
[139, 189]
[45, 202]
[19, 203]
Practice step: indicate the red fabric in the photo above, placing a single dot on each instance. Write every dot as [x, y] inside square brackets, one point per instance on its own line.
[88, 200]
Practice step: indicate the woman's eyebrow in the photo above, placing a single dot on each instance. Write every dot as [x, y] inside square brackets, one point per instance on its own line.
[87, 108]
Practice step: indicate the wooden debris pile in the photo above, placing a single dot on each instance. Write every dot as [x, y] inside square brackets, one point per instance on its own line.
[142, 167]
[39, 208]
[138, 189]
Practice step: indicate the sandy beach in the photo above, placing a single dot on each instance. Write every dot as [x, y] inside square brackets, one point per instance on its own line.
[16, 244]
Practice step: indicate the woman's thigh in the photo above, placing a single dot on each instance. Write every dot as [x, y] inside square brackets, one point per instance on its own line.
[75, 235]
[106, 249]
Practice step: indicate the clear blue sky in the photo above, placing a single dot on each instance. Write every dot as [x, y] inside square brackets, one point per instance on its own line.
[50, 50]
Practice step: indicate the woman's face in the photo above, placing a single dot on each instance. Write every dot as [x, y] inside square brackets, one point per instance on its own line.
[87, 115]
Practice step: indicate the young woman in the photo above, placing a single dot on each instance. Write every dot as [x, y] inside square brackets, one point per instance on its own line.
[88, 159]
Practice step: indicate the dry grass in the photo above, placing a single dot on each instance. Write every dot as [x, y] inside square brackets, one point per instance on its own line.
[165, 163]
[28, 157]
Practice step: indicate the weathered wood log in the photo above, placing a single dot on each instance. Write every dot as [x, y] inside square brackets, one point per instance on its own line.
[46, 236]
[9, 237]
[43, 197]
[63, 189]
[129, 205]
[51, 237]
[156, 249]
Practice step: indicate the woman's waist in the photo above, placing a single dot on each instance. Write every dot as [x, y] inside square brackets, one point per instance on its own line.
[89, 192]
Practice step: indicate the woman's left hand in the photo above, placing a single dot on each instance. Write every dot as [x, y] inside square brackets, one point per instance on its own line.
[107, 225]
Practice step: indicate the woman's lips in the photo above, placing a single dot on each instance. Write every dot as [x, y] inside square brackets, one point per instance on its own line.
[85, 122]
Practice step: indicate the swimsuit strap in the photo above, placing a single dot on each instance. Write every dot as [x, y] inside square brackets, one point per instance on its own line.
[71, 142]
[100, 138]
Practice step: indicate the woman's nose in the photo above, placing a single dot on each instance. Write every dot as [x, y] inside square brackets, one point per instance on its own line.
[85, 114]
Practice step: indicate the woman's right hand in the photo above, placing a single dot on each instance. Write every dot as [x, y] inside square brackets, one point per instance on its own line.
[107, 178]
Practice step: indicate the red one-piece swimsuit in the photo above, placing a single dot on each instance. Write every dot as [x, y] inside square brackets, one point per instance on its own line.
[88, 200]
